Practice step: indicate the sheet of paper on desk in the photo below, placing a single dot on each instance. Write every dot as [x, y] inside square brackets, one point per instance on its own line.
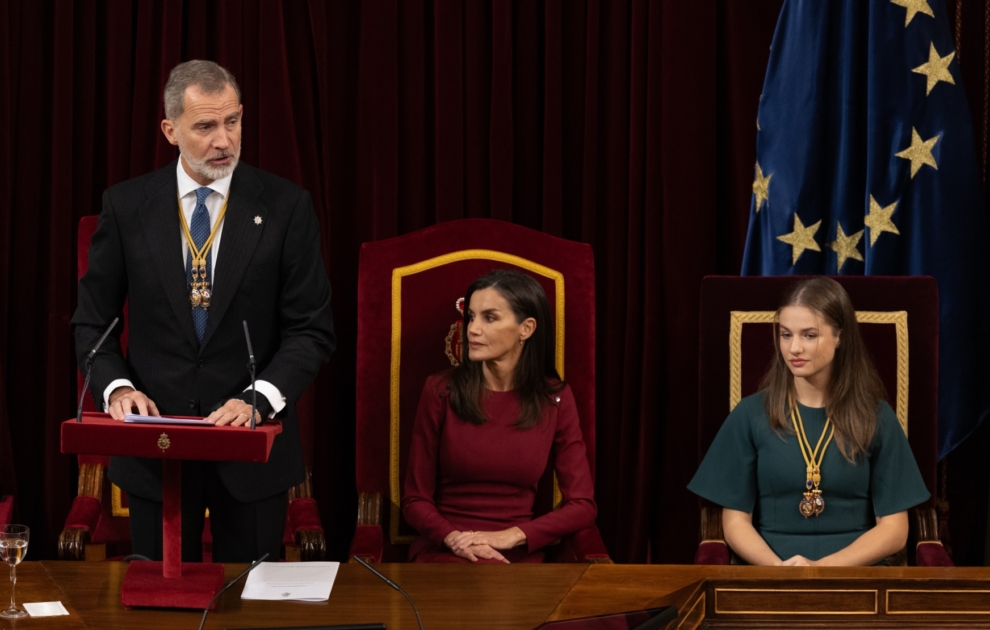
[139, 419]
[46, 609]
[300, 581]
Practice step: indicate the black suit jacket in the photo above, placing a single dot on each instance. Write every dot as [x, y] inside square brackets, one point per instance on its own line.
[269, 272]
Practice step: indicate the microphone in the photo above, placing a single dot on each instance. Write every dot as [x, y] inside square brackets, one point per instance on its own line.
[90, 359]
[206, 610]
[393, 585]
[251, 369]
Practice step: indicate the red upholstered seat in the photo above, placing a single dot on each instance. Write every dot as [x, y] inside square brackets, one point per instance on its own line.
[407, 327]
[97, 525]
[899, 323]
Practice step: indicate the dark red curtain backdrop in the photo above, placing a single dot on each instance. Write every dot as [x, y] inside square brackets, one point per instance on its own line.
[626, 124]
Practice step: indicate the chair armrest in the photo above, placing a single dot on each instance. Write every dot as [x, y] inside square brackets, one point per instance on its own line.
[84, 515]
[932, 554]
[303, 521]
[368, 543]
[712, 549]
[712, 552]
[584, 545]
[929, 551]
[369, 538]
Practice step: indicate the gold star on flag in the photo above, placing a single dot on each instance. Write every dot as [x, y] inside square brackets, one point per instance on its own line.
[801, 238]
[920, 152]
[846, 246]
[761, 187]
[936, 69]
[878, 220]
[913, 7]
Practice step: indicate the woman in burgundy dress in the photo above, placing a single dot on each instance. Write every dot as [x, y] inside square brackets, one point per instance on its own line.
[485, 431]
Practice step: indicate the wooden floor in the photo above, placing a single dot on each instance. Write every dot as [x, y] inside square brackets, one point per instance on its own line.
[521, 597]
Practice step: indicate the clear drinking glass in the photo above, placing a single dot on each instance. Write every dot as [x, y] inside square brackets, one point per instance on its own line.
[13, 548]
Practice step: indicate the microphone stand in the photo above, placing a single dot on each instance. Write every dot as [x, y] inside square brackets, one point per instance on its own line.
[393, 585]
[251, 370]
[90, 359]
[206, 610]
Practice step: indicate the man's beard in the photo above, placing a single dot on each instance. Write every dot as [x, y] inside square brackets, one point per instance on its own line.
[207, 169]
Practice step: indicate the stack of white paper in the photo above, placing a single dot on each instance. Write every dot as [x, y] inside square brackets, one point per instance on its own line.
[300, 581]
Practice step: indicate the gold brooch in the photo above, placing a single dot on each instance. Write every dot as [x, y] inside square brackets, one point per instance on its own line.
[164, 442]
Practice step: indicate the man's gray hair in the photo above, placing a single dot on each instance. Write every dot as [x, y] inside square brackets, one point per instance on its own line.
[206, 75]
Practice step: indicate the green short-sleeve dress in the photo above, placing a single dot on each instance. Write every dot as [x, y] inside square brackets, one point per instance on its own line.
[753, 469]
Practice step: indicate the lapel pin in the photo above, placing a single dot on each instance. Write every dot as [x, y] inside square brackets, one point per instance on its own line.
[257, 220]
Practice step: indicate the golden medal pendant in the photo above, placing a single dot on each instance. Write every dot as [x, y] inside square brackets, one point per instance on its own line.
[204, 290]
[195, 297]
[819, 502]
[812, 504]
[807, 505]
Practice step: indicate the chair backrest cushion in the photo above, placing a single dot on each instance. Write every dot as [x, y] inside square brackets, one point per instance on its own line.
[408, 288]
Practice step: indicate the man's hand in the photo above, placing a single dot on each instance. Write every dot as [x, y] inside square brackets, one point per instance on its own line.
[235, 413]
[124, 400]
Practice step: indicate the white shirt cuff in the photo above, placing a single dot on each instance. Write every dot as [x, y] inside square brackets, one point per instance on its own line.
[270, 392]
[120, 382]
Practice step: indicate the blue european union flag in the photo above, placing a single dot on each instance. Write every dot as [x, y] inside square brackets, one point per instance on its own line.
[865, 164]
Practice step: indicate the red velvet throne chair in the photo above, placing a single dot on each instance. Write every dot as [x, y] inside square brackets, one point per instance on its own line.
[899, 323]
[409, 328]
[97, 526]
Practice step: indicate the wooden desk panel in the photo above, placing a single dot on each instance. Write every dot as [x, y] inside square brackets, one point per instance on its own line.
[448, 596]
[620, 587]
[783, 597]
[520, 597]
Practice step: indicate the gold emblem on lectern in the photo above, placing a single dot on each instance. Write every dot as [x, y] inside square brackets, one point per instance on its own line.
[164, 442]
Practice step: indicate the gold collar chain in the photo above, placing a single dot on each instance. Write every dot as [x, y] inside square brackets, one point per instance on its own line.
[199, 289]
[812, 504]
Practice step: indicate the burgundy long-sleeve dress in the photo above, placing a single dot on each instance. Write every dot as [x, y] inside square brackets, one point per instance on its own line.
[465, 477]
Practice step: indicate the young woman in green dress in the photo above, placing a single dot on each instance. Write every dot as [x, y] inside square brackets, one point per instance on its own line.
[814, 469]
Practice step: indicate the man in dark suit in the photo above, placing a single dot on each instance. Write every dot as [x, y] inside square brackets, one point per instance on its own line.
[196, 248]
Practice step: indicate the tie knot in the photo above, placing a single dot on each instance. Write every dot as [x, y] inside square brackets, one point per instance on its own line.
[202, 194]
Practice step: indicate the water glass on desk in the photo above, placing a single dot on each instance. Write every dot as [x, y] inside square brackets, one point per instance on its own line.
[13, 548]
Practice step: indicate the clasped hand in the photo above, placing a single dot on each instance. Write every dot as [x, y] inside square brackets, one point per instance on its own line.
[798, 561]
[124, 400]
[475, 545]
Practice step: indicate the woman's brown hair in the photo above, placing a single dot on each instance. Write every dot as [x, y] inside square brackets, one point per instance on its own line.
[535, 380]
[854, 387]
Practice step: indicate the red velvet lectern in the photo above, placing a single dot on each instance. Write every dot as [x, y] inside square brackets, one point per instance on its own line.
[171, 583]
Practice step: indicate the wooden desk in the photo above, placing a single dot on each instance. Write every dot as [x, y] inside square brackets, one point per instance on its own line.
[520, 597]
[789, 597]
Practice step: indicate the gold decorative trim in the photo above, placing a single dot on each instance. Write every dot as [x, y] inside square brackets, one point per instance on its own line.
[938, 592]
[928, 542]
[117, 502]
[397, 275]
[690, 617]
[777, 591]
[897, 318]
